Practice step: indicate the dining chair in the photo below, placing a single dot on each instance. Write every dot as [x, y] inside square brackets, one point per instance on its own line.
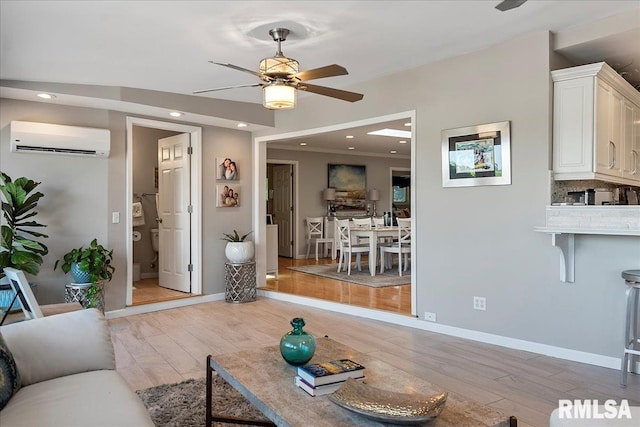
[401, 247]
[362, 222]
[347, 247]
[316, 234]
[378, 222]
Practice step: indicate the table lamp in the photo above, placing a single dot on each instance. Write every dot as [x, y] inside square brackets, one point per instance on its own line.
[374, 196]
[329, 194]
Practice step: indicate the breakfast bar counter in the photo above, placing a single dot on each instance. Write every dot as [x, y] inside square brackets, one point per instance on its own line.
[564, 222]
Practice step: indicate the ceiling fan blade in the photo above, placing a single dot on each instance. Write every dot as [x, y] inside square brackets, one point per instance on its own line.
[319, 73]
[509, 4]
[334, 93]
[226, 87]
[235, 67]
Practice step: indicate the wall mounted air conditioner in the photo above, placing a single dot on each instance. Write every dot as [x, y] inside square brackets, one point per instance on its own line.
[30, 137]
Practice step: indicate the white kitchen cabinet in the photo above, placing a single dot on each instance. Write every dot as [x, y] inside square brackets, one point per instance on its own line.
[272, 249]
[594, 135]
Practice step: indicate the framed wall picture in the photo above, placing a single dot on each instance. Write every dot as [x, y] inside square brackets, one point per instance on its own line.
[477, 155]
[227, 169]
[227, 195]
[350, 183]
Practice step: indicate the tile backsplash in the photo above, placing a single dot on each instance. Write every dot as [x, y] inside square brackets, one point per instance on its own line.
[561, 189]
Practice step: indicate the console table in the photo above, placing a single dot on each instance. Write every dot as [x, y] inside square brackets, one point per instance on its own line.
[267, 381]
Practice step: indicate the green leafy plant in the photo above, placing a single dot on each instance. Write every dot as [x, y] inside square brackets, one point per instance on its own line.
[94, 260]
[18, 249]
[235, 237]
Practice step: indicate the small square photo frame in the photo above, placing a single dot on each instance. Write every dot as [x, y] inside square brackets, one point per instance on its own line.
[477, 155]
[227, 169]
[227, 195]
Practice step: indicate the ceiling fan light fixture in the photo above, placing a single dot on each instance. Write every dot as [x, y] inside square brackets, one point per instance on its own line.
[279, 96]
[279, 66]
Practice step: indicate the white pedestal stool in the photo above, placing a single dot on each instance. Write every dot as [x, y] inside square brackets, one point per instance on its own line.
[631, 337]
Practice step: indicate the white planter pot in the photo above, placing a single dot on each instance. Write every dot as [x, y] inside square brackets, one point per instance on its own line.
[239, 252]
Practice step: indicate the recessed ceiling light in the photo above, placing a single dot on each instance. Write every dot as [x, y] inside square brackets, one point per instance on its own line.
[408, 124]
[391, 132]
[242, 125]
[349, 136]
[46, 96]
[393, 151]
[352, 148]
[175, 114]
[303, 143]
[402, 141]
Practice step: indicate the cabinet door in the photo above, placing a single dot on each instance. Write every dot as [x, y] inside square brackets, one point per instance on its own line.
[631, 136]
[608, 148]
[573, 115]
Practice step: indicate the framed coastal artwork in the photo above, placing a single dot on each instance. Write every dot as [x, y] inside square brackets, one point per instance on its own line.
[350, 183]
[227, 196]
[227, 169]
[477, 155]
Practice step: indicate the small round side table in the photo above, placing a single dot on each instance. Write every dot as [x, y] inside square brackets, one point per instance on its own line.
[79, 292]
[631, 334]
[240, 282]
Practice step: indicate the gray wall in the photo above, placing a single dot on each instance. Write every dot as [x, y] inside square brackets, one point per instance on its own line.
[81, 193]
[74, 206]
[479, 241]
[313, 169]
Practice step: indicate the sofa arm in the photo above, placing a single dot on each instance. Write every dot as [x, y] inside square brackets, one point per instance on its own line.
[60, 345]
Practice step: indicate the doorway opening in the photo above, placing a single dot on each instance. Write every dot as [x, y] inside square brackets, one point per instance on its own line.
[319, 178]
[164, 213]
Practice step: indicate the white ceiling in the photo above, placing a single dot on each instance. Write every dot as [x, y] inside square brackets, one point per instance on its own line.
[165, 45]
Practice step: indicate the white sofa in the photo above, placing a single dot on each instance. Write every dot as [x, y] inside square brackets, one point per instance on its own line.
[67, 367]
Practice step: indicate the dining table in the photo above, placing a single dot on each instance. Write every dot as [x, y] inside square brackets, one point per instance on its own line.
[373, 233]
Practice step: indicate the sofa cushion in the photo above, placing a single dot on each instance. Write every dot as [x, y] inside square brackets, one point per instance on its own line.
[97, 398]
[64, 344]
[9, 375]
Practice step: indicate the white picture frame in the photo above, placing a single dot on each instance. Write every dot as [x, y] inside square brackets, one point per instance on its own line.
[20, 285]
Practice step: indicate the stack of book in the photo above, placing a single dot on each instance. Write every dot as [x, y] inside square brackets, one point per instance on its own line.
[324, 378]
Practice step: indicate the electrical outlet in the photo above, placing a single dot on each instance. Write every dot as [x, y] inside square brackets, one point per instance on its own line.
[479, 303]
[431, 317]
[115, 217]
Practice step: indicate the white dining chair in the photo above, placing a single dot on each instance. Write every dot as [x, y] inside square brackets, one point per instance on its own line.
[316, 235]
[347, 247]
[401, 247]
[362, 222]
[378, 222]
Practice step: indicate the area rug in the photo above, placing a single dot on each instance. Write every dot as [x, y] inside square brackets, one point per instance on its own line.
[388, 278]
[183, 404]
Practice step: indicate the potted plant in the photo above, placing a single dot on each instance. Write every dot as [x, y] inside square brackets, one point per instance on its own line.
[238, 250]
[90, 266]
[18, 249]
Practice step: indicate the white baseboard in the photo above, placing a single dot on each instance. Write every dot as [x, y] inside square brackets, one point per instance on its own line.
[148, 275]
[414, 322]
[164, 305]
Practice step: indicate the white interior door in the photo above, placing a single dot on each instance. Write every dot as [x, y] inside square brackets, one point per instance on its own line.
[282, 207]
[174, 254]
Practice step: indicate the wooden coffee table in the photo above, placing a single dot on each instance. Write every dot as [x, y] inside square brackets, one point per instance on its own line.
[267, 381]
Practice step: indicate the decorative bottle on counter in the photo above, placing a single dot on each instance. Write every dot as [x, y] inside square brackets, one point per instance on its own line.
[297, 346]
[387, 219]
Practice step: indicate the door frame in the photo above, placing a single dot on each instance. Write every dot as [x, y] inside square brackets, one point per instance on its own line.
[195, 177]
[295, 226]
[259, 196]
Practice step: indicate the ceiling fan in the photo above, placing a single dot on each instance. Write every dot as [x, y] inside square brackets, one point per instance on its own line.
[281, 78]
[509, 4]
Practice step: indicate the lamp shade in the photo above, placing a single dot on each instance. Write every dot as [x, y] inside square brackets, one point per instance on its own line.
[329, 194]
[374, 195]
[278, 96]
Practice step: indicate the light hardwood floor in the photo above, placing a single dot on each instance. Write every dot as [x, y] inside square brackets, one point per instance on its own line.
[171, 345]
[147, 291]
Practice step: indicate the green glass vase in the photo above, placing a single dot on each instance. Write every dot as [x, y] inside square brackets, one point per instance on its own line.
[297, 346]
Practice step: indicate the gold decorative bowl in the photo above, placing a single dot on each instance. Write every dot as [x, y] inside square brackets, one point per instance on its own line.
[386, 406]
